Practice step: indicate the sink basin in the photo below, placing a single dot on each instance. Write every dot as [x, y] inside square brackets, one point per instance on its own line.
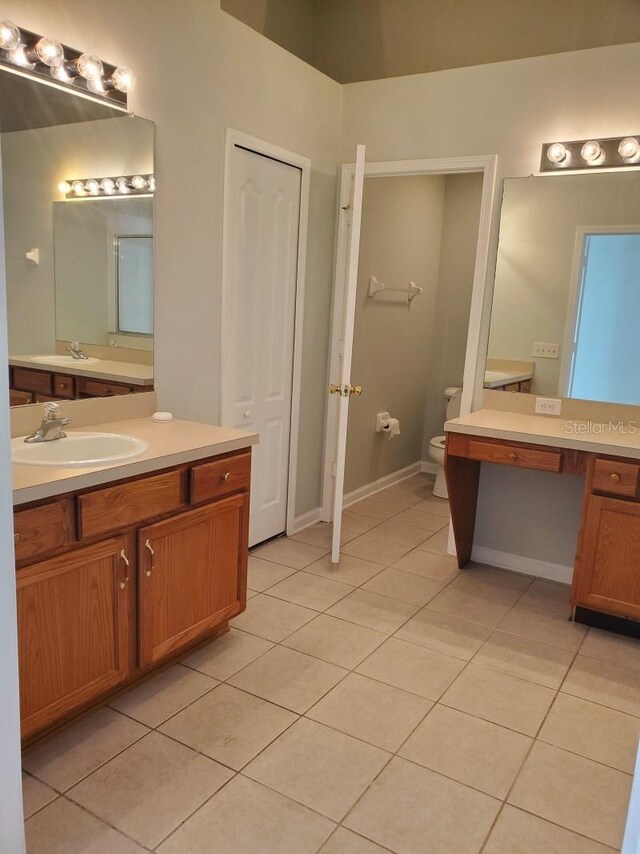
[78, 449]
[62, 360]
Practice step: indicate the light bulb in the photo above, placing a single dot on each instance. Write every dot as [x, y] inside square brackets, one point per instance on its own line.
[64, 187]
[78, 188]
[591, 151]
[48, 51]
[629, 148]
[557, 153]
[92, 186]
[122, 184]
[138, 182]
[61, 73]
[20, 56]
[152, 183]
[123, 79]
[108, 186]
[89, 67]
[9, 35]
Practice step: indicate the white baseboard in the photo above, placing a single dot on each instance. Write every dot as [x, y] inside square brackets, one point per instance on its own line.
[382, 483]
[306, 520]
[525, 565]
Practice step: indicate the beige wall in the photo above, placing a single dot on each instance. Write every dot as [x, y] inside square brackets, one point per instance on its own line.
[508, 109]
[200, 71]
[538, 229]
[400, 242]
[455, 283]
[34, 163]
[370, 39]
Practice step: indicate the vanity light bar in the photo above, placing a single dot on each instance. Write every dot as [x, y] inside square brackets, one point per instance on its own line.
[609, 153]
[122, 185]
[47, 59]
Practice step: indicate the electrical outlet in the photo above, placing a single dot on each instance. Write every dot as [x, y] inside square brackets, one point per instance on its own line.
[546, 351]
[548, 406]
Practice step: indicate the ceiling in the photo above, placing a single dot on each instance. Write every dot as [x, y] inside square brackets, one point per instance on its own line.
[355, 40]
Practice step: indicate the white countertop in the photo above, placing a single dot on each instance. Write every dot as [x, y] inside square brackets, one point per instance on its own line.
[101, 369]
[506, 378]
[170, 444]
[616, 438]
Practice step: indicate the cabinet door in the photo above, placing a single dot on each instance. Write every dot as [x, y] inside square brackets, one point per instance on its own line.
[73, 630]
[608, 577]
[192, 575]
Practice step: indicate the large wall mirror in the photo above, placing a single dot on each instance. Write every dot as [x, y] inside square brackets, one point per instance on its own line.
[566, 305]
[79, 266]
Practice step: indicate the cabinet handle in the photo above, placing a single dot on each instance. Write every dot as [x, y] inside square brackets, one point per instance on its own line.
[125, 560]
[513, 457]
[226, 475]
[149, 547]
[16, 538]
[614, 476]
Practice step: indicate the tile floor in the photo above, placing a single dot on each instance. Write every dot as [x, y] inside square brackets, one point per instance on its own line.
[392, 704]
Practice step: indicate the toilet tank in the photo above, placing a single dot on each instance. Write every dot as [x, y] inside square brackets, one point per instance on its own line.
[453, 395]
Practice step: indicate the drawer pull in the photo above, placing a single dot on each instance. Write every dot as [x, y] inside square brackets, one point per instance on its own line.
[149, 547]
[226, 475]
[614, 476]
[513, 457]
[125, 560]
[16, 539]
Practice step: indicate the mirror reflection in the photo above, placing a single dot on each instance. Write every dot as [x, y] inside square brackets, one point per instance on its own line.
[80, 270]
[566, 299]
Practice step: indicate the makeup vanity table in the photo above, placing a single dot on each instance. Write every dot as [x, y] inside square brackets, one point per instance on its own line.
[606, 580]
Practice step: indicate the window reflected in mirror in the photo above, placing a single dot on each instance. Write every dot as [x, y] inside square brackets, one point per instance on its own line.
[566, 303]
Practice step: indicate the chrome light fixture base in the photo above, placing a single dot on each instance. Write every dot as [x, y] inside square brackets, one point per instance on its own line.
[612, 153]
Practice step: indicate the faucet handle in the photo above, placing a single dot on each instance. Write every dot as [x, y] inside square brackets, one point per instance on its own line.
[51, 410]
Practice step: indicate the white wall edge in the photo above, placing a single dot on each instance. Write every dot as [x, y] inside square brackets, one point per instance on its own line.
[382, 483]
[525, 565]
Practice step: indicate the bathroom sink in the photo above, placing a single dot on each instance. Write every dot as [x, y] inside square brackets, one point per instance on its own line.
[78, 449]
[63, 361]
[496, 376]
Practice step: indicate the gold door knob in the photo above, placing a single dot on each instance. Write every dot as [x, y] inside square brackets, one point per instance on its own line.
[335, 389]
[226, 475]
[614, 476]
[356, 389]
[513, 457]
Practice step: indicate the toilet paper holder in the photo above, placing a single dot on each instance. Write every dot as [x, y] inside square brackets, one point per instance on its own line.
[386, 424]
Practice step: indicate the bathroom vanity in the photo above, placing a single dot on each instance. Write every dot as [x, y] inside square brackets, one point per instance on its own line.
[120, 568]
[606, 582]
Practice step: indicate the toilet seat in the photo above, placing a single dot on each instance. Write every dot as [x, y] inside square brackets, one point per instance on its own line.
[438, 442]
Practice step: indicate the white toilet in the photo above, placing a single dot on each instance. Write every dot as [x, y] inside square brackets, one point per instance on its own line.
[436, 445]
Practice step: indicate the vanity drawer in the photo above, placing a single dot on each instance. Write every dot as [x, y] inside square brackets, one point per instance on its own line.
[98, 388]
[64, 386]
[42, 529]
[615, 477]
[514, 455]
[126, 504]
[28, 380]
[19, 398]
[220, 477]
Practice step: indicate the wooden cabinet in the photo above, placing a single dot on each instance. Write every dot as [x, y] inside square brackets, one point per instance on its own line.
[29, 385]
[73, 630]
[191, 575]
[114, 581]
[608, 565]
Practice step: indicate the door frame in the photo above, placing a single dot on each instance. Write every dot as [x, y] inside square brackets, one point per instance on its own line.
[472, 382]
[234, 138]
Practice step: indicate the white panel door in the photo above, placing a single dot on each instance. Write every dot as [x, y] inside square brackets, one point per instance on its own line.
[263, 215]
[343, 389]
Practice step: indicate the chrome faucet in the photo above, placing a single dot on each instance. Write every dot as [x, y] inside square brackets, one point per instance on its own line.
[51, 426]
[74, 348]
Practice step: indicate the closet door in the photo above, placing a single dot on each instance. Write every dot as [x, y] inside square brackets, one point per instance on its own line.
[261, 234]
[341, 386]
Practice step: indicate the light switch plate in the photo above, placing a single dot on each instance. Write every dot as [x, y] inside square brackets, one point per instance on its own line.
[548, 406]
[546, 351]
